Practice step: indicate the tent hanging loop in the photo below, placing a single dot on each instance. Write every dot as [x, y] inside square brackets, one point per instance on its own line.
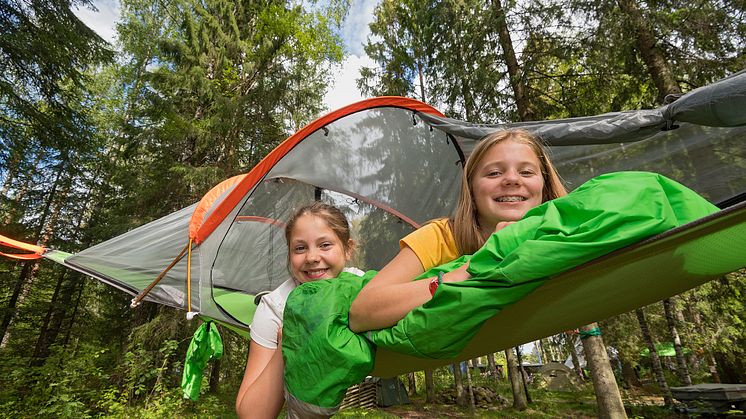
[414, 120]
[671, 98]
[326, 131]
[669, 125]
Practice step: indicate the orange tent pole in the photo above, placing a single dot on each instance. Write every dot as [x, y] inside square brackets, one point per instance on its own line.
[138, 299]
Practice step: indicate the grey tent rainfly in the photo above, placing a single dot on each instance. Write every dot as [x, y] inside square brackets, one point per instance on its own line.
[395, 163]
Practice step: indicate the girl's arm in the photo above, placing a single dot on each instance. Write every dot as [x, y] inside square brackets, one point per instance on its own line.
[261, 394]
[391, 294]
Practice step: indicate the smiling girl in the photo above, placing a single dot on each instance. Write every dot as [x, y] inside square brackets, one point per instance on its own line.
[319, 246]
[507, 174]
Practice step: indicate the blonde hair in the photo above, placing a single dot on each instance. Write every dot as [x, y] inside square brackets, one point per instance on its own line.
[465, 221]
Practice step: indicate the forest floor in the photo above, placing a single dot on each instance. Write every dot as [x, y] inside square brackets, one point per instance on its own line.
[545, 404]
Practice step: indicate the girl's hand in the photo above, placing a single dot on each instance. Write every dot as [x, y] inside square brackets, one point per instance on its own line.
[502, 224]
[457, 275]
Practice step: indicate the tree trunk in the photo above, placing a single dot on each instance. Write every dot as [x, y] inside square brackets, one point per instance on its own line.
[543, 358]
[74, 315]
[422, 80]
[215, 375]
[570, 339]
[651, 54]
[10, 312]
[607, 393]
[470, 390]
[28, 273]
[697, 320]
[492, 368]
[683, 370]
[730, 370]
[53, 320]
[13, 163]
[429, 387]
[525, 112]
[11, 212]
[519, 397]
[44, 329]
[654, 358]
[411, 384]
[458, 382]
[629, 375]
[713, 366]
[524, 376]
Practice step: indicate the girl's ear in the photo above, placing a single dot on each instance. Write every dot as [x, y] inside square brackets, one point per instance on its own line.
[349, 249]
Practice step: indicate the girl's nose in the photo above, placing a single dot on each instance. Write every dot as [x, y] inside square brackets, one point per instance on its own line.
[511, 177]
[312, 256]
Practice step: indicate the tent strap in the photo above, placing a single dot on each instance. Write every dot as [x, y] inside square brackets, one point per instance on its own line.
[189, 276]
[38, 251]
[138, 299]
[21, 256]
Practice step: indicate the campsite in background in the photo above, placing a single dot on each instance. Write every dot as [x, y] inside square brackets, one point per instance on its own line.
[106, 150]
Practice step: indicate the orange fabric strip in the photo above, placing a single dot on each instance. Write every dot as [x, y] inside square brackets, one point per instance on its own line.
[27, 256]
[7, 241]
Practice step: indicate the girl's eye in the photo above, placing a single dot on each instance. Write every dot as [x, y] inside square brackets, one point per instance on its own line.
[326, 245]
[299, 249]
[527, 173]
[494, 173]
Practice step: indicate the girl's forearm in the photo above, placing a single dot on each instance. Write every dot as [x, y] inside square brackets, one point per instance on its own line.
[383, 306]
[262, 396]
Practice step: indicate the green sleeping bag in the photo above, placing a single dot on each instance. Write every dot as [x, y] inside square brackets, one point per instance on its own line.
[323, 357]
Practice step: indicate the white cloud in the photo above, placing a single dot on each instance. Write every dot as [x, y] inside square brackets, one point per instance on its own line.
[355, 33]
[102, 22]
[355, 30]
[344, 91]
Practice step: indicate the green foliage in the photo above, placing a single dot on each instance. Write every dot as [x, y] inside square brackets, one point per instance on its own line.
[170, 404]
[576, 57]
[202, 90]
[66, 386]
[44, 52]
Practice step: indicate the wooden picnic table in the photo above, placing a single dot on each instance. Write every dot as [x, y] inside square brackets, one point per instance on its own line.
[719, 397]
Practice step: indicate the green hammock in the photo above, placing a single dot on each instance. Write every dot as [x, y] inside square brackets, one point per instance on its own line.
[604, 214]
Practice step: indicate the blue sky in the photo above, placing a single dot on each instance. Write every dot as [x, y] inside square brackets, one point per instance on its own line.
[355, 32]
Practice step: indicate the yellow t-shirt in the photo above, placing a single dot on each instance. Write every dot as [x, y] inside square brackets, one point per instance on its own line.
[433, 243]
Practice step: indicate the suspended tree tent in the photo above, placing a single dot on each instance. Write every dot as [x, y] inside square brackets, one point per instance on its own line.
[391, 164]
[664, 349]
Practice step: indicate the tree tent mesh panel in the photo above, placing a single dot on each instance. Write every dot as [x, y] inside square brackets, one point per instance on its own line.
[134, 259]
[697, 140]
[384, 168]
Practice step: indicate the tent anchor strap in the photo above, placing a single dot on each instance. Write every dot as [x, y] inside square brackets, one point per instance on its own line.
[189, 276]
[138, 299]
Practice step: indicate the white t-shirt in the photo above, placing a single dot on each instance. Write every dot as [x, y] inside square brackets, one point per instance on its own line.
[268, 316]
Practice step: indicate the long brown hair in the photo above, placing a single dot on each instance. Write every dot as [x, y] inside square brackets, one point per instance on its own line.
[465, 221]
[333, 217]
